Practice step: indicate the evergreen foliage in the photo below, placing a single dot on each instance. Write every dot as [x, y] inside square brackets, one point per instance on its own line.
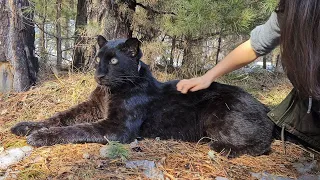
[182, 26]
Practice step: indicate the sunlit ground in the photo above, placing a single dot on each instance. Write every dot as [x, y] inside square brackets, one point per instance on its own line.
[180, 160]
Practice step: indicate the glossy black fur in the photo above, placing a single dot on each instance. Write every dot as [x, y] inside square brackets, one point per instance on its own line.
[129, 103]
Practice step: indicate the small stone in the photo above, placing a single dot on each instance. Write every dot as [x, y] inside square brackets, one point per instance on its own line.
[3, 112]
[86, 156]
[157, 138]
[305, 167]
[104, 152]
[134, 143]
[212, 155]
[149, 168]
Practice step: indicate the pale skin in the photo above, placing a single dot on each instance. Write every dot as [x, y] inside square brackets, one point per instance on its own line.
[239, 57]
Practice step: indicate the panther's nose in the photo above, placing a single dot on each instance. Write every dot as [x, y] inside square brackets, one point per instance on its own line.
[101, 76]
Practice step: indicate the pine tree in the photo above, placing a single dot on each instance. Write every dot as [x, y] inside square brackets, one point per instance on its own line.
[18, 65]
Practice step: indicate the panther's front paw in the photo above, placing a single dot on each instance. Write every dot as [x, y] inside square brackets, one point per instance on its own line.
[43, 137]
[25, 128]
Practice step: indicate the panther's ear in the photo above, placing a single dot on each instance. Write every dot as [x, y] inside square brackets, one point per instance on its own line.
[101, 41]
[132, 46]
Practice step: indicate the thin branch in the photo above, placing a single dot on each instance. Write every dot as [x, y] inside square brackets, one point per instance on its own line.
[41, 29]
[52, 55]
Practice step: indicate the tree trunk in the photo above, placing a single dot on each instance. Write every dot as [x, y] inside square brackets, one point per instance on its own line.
[79, 50]
[173, 47]
[192, 55]
[264, 62]
[58, 34]
[219, 49]
[66, 41]
[187, 54]
[18, 65]
[43, 49]
[279, 68]
[115, 24]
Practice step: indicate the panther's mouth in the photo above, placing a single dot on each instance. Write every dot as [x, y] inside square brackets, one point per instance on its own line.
[104, 83]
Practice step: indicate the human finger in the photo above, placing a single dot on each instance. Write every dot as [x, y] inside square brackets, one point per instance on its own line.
[196, 88]
[181, 84]
[187, 87]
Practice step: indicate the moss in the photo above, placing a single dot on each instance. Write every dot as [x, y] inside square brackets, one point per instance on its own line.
[115, 150]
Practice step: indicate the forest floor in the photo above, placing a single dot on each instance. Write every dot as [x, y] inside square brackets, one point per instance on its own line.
[173, 159]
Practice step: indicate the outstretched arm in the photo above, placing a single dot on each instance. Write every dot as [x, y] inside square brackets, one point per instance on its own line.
[239, 57]
[264, 39]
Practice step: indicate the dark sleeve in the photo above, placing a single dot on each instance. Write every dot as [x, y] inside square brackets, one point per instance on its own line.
[266, 37]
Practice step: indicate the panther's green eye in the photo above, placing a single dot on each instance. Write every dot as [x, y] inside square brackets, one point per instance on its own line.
[114, 61]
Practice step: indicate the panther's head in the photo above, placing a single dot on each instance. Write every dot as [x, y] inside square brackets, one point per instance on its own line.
[118, 61]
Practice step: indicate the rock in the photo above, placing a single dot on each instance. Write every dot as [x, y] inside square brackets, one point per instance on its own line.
[309, 177]
[305, 167]
[12, 156]
[149, 168]
[134, 144]
[267, 176]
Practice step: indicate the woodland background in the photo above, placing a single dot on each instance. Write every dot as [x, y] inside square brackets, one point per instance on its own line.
[47, 57]
[182, 38]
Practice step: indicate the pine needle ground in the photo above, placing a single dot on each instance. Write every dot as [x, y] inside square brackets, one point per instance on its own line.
[177, 160]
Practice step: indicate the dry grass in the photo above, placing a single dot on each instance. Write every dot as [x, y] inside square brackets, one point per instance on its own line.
[268, 87]
[180, 160]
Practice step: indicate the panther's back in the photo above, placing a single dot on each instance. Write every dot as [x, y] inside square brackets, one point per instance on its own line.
[232, 117]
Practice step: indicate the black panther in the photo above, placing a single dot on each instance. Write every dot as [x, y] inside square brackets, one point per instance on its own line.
[129, 102]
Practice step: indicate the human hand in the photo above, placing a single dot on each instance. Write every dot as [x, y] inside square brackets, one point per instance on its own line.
[193, 84]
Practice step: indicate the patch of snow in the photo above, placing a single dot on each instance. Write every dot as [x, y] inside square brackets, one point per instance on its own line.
[12, 156]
